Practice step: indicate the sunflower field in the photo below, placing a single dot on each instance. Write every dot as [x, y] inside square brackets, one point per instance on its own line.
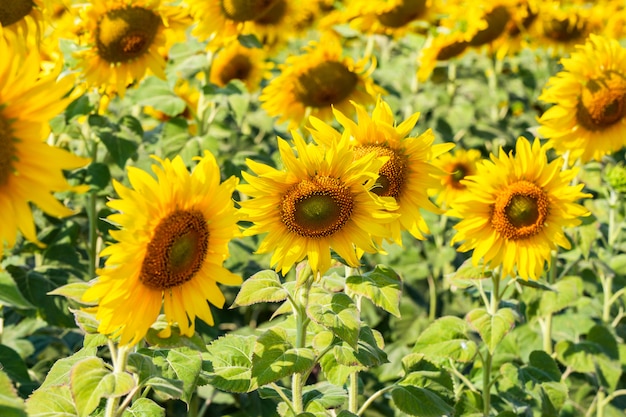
[323, 208]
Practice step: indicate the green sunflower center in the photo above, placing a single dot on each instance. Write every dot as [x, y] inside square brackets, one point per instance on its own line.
[126, 34]
[520, 211]
[245, 10]
[274, 14]
[316, 207]
[392, 174]
[177, 250]
[7, 151]
[15, 10]
[497, 20]
[327, 83]
[602, 102]
[565, 29]
[238, 68]
[403, 13]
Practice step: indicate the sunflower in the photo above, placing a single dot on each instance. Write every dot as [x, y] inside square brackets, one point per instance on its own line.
[320, 201]
[237, 62]
[406, 175]
[318, 80]
[25, 18]
[442, 47]
[588, 117]
[515, 209]
[127, 38]
[173, 239]
[30, 170]
[455, 167]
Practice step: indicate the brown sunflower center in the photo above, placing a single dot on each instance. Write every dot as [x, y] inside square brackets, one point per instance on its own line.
[126, 34]
[451, 50]
[602, 102]
[391, 175]
[458, 171]
[403, 13]
[565, 29]
[497, 20]
[244, 10]
[177, 250]
[327, 83]
[273, 14]
[15, 10]
[238, 68]
[7, 151]
[520, 211]
[316, 207]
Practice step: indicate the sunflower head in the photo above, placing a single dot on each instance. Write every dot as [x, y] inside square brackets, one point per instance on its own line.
[455, 167]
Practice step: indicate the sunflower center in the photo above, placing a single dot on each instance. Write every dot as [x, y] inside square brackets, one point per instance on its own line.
[177, 250]
[391, 175]
[563, 30]
[273, 14]
[7, 151]
[403, 13]
[238, 68]
[451, 50]
[126, 34]
[245, 10]
[458, 172]
[520, 211]
[602, 102]
[327, 83]
[497, 20]
[15, 10]
[316, 207]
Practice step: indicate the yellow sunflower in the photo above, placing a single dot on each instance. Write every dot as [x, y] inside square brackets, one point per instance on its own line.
[406, 175]
[173, 239]
[127, 38]
[442, 47]
[455, 167]
[318, 202]
[30, 170]
[318, 79]
[588, 117]
[237, 62]
[24, 18]
[515, 209]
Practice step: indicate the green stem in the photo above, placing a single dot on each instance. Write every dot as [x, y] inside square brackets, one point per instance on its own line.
[492, 308]
[600, 404]
[546, 323]
[353, 393]
[374, 397]
[607, 288]
[92, 217]
[301, 300]
[432, 295]
[119, 357]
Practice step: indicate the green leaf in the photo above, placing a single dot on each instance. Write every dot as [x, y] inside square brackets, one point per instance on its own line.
[156, 93]
[324, 394]
[492, 328]
[53, 401]
[382, 286]
[10, 294]
[165, 388]
[141, 365]
[230, 359]
[419, 402]
[447, 337]
[98, 175]
[11, 363]
[11, 405]
[59, 374]
[73, 291]
[144, 407]
[262, 287]
[91, 381]
[424, 374]
[121, 150]
[346, 413]
[275, 358]
[338, 313]
[567, 291]
[183, 364]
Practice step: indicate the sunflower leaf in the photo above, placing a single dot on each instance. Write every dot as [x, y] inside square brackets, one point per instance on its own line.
[262, 287]
[446, 337]
[338, 313]
[229, 363]
[53, 401]
[382, 286]
[91, 381]
[492, 328]
[10, 403]
[10, 294]
[144, 407]
[183, 364]
[421, 402]
[275, 358]
[567, 291]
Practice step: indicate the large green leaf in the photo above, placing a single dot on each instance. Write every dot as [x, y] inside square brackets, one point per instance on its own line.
[10, 294]
[59, 374]
[183, 364]
[144, 407]
[382, 286]
[275, 358]
[13, 365]
[91, 381]
[11, 405]
[492, 328]
[420, 402]
[567, 291]
[447, 337]
[229, 365]
[264, 286]
[338, 313]
[52, 401]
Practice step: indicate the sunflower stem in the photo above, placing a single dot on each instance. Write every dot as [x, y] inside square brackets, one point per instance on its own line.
[546, 323]
[92, 217]
[300, 304]
[492, 307]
